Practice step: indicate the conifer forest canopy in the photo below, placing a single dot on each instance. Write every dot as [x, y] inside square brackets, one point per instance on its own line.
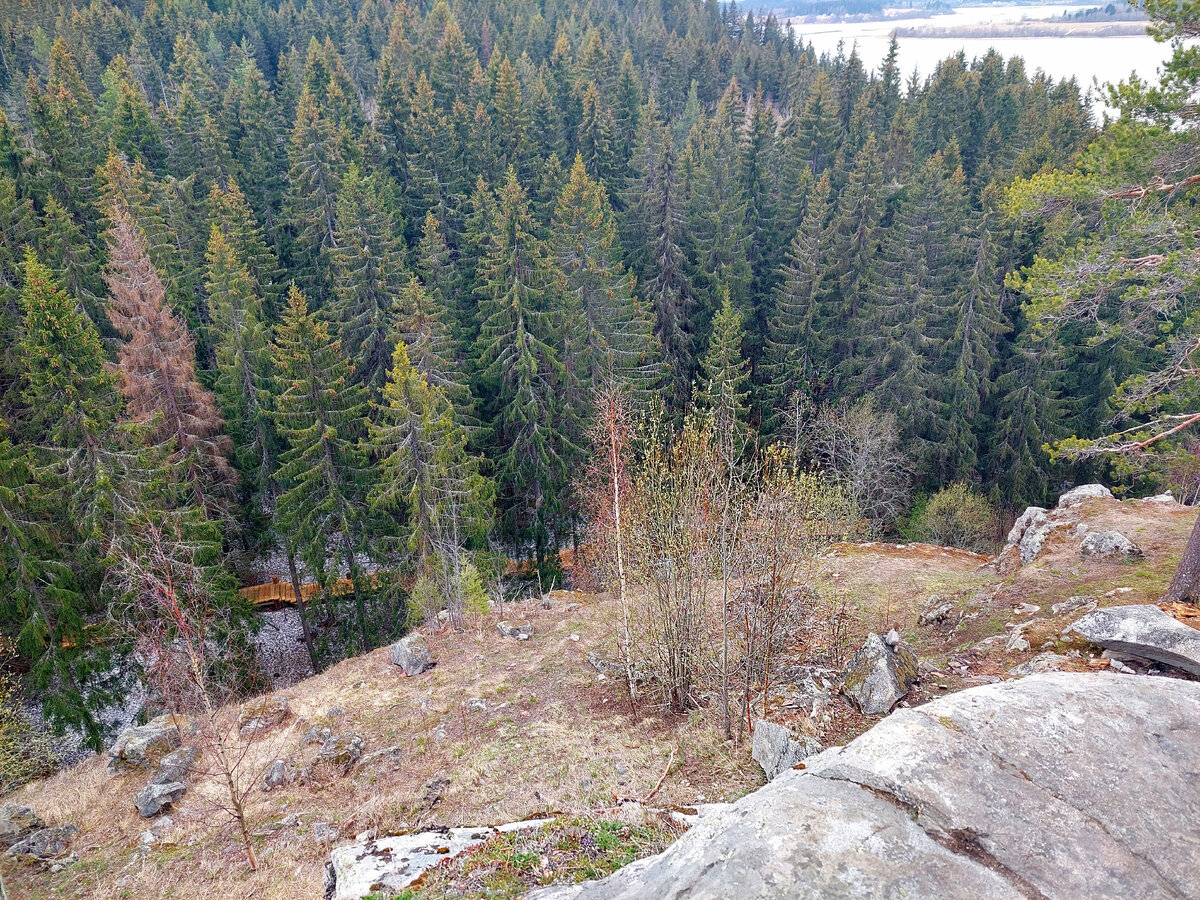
[337, 283]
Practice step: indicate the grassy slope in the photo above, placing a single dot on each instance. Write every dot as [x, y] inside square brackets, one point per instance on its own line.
[554, 736]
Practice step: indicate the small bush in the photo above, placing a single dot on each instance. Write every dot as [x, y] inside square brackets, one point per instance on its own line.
[957, 516]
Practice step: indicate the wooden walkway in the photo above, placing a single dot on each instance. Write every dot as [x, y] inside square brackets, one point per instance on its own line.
[280, 593]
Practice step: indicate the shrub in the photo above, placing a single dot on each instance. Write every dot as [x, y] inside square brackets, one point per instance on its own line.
[957, 516]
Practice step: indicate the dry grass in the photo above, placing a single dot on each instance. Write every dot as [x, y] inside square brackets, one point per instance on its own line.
[554, 736]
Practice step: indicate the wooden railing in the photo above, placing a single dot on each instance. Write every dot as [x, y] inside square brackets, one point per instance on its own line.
[277, 592]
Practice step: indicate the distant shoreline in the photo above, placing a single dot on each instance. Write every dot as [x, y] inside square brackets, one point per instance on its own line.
[1028, 29]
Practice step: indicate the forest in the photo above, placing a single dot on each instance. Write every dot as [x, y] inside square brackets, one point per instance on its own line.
[337, 289]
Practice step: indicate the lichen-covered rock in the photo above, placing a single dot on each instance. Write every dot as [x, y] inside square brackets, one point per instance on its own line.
[411, 654]
[521, 631]
[1143, 630]
[878, 675]
[381, 760]
[1078, 495]
[45, 843]
[156, 798]
[276, 775]
[261, 714]
[776, 749]
[1043, 662]
[1073, 604]
[176, 766]
[1108, 545]
[1022, 524]
[341, 751]
[141, 746]
[389, 864]
[938, 610]
[17, 822]
[1058, 786]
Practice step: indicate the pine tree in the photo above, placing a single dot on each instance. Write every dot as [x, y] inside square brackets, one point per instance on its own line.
[319, 412]
[157, 364]
[368, 275]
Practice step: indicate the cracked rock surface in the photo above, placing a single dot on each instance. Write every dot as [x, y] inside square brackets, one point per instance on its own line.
[1058, 785]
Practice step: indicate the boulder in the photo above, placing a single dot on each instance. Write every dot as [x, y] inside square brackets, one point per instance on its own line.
[938, 610]
[276, 775]
[411, 654]
[1078, 495]
[1023, 523]
[776, 749]
[140, 747]
[878, 675]
[341, 751]
[522, 631]
[176, 766]
[389, 864]
[1167, 497]
[1019, 789]
[156, 798]
[1035, 536]
[382, 760]
[1108, 545]
[17, 822]
[261, 714]
[1072, 604]
[45, 843]
[1145, 631]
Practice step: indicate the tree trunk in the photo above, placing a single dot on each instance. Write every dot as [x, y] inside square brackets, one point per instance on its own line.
[1183, 585]
[296, 589]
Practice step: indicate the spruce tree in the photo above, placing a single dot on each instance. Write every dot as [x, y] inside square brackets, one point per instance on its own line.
[583, 242]
[426, 472]
[368, 275]
[521, 374]
[797, 357]
[653, 220]
[725, 374]
[157, 363]
[242, 365]
[316, 159]
[323, 474]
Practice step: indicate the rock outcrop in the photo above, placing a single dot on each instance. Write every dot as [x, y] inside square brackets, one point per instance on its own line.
[776, 749]
[262, 714]
[411, 654]
[1145, 631]
[1108, 545]
[157, 798]
[141, 746]
[388, 865]
[879, 674]
[1012, 790]
[17, 822]
[45, 843]
[1029, 532]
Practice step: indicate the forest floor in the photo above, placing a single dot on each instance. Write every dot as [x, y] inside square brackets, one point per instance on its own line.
[501, 730]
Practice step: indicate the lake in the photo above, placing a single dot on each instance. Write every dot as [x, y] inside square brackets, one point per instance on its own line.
[1087, 58]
